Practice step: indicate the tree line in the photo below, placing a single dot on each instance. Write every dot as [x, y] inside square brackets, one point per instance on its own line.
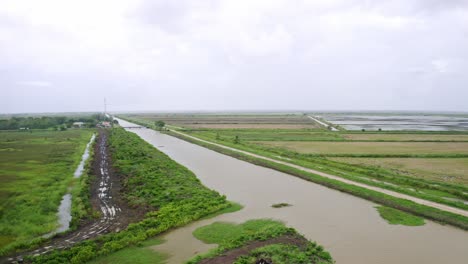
[46, 122]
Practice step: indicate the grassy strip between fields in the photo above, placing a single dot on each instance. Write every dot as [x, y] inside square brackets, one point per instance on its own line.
[233, 236]
[153, 180]
[397, 217]
[384, 199]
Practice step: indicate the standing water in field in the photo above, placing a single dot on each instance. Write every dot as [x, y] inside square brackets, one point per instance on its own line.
[64, 210]
[350, 228]
[85, 157]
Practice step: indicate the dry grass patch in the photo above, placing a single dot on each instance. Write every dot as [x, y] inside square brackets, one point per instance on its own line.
[443, 170]
[406, 137]
[392, 148]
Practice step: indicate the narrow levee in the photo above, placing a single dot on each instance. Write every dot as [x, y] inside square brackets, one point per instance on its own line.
[350, 228]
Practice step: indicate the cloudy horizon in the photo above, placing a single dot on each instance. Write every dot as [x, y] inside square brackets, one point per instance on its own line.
[66, 56]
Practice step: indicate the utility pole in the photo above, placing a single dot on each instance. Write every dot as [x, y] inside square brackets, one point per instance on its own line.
[105, 106]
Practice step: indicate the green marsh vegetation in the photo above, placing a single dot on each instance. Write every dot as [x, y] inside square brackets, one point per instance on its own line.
[171, 193]
[142, 253]
[285, 244]
[36, 170]
[397, 217]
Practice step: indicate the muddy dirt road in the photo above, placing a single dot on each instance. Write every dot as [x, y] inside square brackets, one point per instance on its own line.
[105, 199]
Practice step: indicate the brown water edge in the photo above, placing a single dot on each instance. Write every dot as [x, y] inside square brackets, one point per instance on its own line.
[349, 227]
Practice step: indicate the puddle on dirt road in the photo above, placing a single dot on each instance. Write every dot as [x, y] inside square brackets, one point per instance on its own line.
[350, 228]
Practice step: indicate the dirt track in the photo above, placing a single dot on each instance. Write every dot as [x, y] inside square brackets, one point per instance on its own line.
[105, 198]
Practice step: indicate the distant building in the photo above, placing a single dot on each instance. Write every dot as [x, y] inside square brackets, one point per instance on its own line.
[104, 124]
[78, 124]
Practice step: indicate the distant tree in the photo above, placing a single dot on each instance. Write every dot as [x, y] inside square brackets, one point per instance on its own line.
[363, 130]
[236, 140]
[115, 121]
[380, 129]
[159, 124]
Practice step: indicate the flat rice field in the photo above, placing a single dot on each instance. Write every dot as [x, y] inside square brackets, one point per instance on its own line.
[405, 137]
[438, 169]
[382, 148]
[247, 121]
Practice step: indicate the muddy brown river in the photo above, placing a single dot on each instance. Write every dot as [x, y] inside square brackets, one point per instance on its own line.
[350, 228]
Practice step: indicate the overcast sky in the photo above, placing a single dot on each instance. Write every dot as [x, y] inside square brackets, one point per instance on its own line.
[58, 55]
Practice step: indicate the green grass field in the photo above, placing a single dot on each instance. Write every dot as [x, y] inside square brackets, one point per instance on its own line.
[140, 254]
[35, 170]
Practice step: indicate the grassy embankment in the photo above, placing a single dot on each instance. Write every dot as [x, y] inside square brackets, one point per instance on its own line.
[253, 236]
[390, 201]
[36, 169]
[397, 217]
[153, 180]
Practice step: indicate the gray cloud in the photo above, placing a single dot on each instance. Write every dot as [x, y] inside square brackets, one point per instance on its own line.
[233, 55]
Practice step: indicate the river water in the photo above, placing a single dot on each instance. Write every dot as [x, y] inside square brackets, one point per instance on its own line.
[349, 227]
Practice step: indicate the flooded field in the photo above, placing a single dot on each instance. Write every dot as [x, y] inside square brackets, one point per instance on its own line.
[350, 228]
[423, 122]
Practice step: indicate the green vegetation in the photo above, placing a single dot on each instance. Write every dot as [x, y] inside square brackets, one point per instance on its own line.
[397, 217]
[263, 232]
[280, 205]
[36, 170]
[173, 194]
[139, 254]
[159, 124]
[45, 122]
